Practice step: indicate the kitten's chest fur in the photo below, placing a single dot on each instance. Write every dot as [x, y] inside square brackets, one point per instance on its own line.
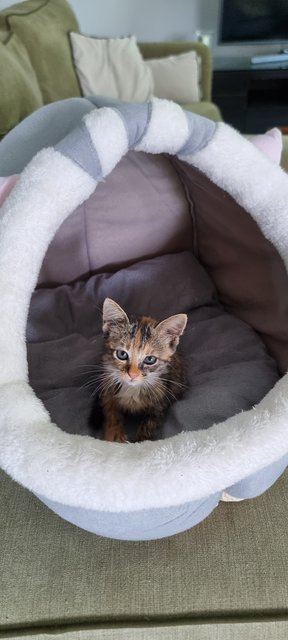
[131, 399]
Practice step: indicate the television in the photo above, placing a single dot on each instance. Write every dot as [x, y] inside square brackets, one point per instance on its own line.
[253, 21]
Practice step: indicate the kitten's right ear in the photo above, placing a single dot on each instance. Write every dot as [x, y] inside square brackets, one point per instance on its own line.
[112, 314]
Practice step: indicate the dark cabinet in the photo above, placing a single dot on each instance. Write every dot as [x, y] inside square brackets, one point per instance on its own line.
[251, 99]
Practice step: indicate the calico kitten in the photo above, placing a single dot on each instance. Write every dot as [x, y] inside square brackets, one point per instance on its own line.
[142, 373]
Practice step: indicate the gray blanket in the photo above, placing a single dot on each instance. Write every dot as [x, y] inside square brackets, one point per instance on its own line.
[229, 369]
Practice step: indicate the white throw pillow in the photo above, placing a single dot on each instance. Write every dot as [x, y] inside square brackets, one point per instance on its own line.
[177, 77]
[112, 67]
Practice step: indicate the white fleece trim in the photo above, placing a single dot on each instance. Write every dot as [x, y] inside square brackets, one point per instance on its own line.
[168, 128]
[84, 472]
[46, 192]
[251, 178]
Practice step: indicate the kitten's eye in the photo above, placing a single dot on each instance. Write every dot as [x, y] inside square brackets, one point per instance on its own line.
[150, 360]
[121, 355]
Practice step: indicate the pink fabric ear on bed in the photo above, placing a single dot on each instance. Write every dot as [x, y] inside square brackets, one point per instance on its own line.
[270, 143]
[6, 185]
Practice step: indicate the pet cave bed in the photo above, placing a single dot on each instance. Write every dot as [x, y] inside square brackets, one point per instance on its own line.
[187, 216]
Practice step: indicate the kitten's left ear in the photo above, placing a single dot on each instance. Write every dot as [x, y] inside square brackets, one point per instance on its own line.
[172, 328]
[112, 314]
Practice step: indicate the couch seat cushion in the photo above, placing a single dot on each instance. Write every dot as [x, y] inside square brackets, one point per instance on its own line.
[228, 570]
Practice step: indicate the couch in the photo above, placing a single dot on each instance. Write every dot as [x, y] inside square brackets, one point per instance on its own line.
[226, 578]
[34, 38]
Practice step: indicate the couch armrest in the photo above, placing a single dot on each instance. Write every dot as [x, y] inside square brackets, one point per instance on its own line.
[284, 157]
[163, 49]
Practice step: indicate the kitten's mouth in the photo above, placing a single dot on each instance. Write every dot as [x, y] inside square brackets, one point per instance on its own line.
[133, 382]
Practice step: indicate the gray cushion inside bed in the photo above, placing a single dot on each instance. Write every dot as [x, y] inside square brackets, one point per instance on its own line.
[229, 369]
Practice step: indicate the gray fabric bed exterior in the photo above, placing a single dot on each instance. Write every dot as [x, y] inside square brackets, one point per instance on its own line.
[150, 524]
[152, 270]
[153, 524]
[229, 367]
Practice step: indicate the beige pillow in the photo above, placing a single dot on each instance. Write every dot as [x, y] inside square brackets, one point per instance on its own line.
[177, 77]
[112, 67]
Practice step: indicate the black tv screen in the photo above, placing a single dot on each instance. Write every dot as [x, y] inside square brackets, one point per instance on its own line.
[252, 21]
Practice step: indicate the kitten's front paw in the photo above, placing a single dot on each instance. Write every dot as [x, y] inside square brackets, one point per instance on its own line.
[115, 434]
[121, 438]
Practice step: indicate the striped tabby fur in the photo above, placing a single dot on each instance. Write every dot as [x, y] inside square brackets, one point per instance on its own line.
[141, 372]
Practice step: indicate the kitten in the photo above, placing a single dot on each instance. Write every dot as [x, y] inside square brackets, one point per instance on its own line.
[142, 373]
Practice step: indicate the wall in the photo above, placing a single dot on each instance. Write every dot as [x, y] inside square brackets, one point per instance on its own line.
[149, 20]
[158, 20]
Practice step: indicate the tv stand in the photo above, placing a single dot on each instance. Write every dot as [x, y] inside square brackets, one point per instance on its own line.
[274, 57]
[252, 97]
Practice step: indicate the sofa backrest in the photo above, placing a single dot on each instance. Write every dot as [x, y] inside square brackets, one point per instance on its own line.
[36, 31]
[20, 93]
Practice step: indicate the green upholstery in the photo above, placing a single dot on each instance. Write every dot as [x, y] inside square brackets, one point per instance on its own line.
[43, 27]
[229, 573]
[203, 108]
[19, 89]
[284, 158]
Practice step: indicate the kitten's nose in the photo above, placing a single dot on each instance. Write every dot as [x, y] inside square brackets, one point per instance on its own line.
[133, 374]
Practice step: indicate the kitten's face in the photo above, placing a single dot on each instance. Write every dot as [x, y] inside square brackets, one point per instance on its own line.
[138, 351]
